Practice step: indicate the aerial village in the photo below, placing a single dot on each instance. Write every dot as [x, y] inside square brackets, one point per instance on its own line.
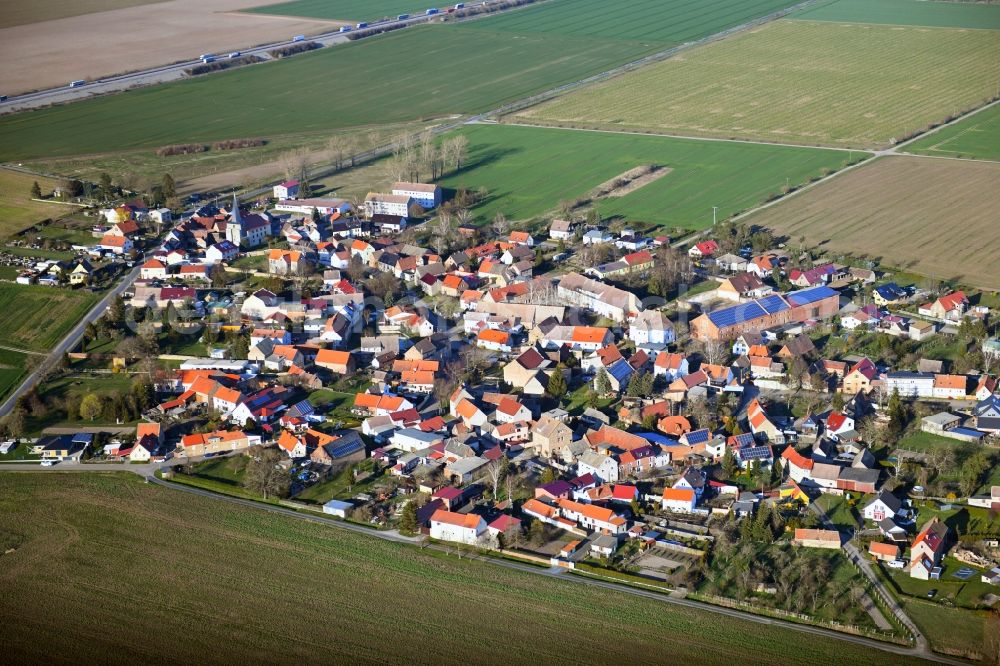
[582, 395]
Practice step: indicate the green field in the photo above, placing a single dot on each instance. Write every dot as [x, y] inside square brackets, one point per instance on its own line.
[209, 582]
[36, 318]
[12, 370]
[377, 81]
[476, 66]
[906, 12]
[977, 137]
[652, 21]
[529, 170]
[343, 10]
[17, 209]
[800, 82]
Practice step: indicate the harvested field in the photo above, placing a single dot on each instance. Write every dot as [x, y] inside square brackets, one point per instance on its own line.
[22, 12]
[800, 82]
[905, 211]
[907, 12]
[91, 46]
[976, 137]
[215, 583]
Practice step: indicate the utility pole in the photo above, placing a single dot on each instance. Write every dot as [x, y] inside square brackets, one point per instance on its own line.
[714, 209]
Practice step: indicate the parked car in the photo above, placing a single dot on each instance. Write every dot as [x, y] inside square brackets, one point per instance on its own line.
[931, 593]
[48, 463]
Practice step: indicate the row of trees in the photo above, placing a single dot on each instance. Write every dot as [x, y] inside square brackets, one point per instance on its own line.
[423, 157]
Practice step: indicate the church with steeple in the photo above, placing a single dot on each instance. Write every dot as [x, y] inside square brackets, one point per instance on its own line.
[246, 232]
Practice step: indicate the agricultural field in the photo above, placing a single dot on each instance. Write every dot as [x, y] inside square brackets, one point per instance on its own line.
[816, 83]
[895, 208]
[18, 12]
[495, 69]
[499, 64]
[650, 21]
[906, 12]
[12, 370]
[343, 10]
[36, 318]
[976, 137]
[529, 170]
[17, 210]
[296, 572]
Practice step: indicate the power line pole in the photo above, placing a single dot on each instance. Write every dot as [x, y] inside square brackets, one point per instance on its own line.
[714, 209]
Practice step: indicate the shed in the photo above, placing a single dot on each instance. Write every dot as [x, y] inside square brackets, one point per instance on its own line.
[337, 508]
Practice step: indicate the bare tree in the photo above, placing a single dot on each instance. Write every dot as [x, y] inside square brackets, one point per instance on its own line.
[463, 216]
[500, 225]
[443, 227]
[714, 351]
[494, 471]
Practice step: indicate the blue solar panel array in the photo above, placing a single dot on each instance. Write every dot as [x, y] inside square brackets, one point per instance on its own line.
[736, 314]
[620, 370]
[697, 436]
[772, 304]
[806, 296]
[744, 439]
[755, 453]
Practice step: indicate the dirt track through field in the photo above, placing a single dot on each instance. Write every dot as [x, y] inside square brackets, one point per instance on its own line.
[52, 53]
[931, 216]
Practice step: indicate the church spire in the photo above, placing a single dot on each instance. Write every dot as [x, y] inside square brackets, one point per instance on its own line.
[237, 219]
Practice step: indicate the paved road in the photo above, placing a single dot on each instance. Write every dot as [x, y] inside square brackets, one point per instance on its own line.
[70, 341]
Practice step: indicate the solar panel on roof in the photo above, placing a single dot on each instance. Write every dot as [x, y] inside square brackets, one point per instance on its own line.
[806, 296]
[736, 314]
[773, 304]
[697, 437]
[755, 452]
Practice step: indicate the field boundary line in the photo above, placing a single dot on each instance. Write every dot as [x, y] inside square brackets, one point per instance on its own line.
[717, 139]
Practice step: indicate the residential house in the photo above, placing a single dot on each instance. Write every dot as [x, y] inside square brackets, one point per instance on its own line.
[462, 528]
[951, 307]
[679, 500]
[884, 505]
[742, 287]
[814, 538]
[337, 362]
[561, 230]
[884, 552]
[928, 549]
[987, 414]
[651, 327]
[703, 250]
